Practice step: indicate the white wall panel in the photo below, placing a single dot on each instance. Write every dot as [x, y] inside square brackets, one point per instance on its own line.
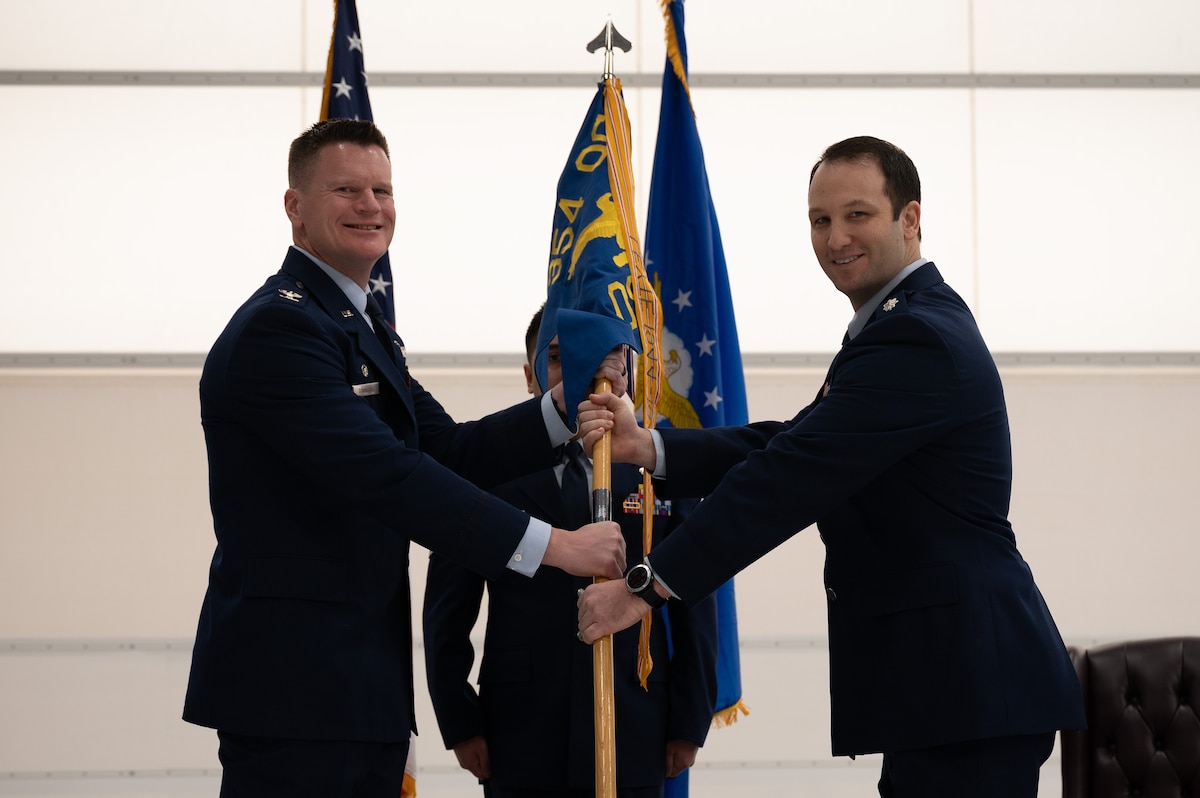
[864, 37]
[1105, 36]
[99, 710]
[105, 488]
[549, 36]
[144, 216]
[153, 35]
[1082, 199]
[1104, 482]
[760, 147]
[753, 36]
[485, 36]
[153, 211]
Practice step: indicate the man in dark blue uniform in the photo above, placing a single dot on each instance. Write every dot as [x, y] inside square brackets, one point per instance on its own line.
[528, 732]
[326, 458]
[942, 653]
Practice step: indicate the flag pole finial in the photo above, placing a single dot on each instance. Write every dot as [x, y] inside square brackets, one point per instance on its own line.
[609, 38]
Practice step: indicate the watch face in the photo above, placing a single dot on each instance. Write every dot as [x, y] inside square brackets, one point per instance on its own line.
[638, 578]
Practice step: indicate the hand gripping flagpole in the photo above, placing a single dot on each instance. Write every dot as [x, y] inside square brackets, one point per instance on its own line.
[603, 703]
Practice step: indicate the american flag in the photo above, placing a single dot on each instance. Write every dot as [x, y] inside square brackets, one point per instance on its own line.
[345, 97]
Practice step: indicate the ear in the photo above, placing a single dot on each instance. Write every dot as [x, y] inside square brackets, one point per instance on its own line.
[910, 219]
[530, 379]
[291, 204]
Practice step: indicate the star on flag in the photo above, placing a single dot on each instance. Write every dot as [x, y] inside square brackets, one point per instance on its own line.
[683, 300]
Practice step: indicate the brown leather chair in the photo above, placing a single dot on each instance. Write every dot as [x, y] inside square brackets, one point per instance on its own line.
[1143, 708]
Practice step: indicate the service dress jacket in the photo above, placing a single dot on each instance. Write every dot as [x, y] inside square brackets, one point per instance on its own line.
[534, 704]
[937, 630]
[326, 458]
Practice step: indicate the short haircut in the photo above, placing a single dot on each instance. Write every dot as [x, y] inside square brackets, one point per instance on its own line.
[531, 334]
[901, 182]
[308, 145]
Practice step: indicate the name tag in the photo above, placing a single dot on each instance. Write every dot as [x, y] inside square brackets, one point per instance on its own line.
[366, 389]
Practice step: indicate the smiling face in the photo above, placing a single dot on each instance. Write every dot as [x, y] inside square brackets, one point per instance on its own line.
[856, 236]
[343, 211]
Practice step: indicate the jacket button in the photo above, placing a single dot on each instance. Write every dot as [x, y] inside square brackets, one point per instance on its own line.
[831, 594]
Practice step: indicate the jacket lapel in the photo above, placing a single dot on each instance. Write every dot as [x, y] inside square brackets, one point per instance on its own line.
[925, 277]
[542, 496]
[336, 305]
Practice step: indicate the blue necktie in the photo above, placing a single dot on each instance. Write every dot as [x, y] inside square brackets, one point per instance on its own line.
[391, 345]
[381, 326]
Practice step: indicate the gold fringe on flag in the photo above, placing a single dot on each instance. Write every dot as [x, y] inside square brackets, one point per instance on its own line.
[329, 68]
[673, 54]
[729, 715]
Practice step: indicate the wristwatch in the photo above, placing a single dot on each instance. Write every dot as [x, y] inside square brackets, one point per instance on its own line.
[639, 580]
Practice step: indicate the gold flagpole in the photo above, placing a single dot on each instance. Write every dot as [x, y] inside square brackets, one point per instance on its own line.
[603, 703]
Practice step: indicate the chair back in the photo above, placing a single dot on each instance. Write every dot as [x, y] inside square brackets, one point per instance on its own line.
[1142, 700]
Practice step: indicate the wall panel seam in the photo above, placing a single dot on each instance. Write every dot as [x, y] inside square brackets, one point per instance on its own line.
[714, 80]
[513, 360]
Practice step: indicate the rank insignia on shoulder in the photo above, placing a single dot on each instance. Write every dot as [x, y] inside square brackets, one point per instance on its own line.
[634, 503]
[291, 295]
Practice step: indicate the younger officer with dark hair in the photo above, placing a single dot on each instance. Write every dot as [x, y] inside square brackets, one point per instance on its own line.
[942, 654]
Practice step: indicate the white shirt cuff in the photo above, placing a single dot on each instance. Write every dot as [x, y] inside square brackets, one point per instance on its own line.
[559, 432]
[659, 579]
[532, 548]
[660, 455]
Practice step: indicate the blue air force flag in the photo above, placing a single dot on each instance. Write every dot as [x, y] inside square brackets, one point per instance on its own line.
[704, 385]
[684, 254]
